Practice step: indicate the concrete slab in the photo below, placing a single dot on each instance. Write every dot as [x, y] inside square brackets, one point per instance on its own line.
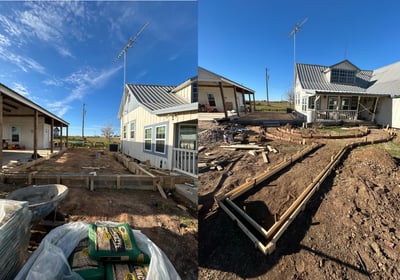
[16, 157]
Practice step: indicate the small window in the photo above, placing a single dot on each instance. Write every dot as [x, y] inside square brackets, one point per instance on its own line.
[15, 134]
[147, 139]
[211, 100]
[346, 103]
[304, 104]
[124, 131]
[160, 139]
[195, 94]
[332, 102]
[133, 128]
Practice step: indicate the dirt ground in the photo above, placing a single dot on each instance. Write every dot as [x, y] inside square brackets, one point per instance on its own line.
[348, 230]
[170, 227]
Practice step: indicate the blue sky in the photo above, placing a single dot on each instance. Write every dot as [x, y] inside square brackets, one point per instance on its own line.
[61, 54]
[240, 39]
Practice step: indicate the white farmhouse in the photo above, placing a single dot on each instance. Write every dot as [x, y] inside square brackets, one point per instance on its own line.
[159, 125]
[343, 92]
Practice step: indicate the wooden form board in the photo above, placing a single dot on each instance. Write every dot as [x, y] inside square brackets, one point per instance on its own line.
[273, 234]
[236, 192]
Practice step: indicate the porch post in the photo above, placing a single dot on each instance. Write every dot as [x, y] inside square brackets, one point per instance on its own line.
[244, 102]
[373, 113]
[66, 140]
[35, 128]
[358, 106]
[223, 99]
[1, 129]
[254, 102]
[52, 136]
[236, 101]
[61, 142]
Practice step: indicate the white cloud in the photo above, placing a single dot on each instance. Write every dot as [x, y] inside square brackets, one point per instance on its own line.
[21, 89]
[24, 63]
[83, 82]
[4, 41]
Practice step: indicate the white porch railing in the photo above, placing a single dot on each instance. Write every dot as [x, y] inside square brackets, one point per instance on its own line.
[336, 115]
[185, 161]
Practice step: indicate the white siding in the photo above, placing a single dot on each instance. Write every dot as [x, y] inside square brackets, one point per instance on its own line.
[384, 111]
[396, 113]
[25, 126]
[185, 93]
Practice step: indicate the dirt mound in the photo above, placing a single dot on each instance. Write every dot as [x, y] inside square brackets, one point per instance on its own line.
[376, 160]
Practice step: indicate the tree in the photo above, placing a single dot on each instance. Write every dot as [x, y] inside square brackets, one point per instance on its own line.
[290, 98]
[107, 131]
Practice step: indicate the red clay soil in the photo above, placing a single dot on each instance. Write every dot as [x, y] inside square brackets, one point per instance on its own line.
[349, 229]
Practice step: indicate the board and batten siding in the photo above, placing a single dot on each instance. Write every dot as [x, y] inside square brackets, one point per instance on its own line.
[396, 112]
[143, 118]
[185, 93]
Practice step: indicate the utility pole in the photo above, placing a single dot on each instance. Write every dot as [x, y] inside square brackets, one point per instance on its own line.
[127, 46]
[83, 121]
[267, 78]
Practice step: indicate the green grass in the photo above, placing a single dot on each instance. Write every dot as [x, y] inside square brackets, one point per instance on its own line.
[273, 106]
[391, 147]
[90, 141]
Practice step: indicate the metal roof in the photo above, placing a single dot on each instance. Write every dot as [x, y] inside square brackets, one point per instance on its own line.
[313, 77]
[154, 97]
[382, 81]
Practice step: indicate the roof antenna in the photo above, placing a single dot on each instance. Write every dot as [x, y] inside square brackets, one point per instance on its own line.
[127, 46]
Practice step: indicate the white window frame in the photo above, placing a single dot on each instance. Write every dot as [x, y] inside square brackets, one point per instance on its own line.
[161, 139]
[124, 131]
[147, 138]
[132, 130]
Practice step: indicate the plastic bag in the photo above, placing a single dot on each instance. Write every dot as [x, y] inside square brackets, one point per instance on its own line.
[15, 221]
[47, 260]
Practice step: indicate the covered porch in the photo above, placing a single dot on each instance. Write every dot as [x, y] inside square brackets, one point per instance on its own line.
[345, 108]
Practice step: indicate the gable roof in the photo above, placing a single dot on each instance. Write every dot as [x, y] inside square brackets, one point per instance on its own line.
[313, 77]
[382, 81]
[205, 75]
[155, 97]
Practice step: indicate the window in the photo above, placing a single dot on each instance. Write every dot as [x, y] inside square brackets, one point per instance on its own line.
[342, 76]
[147, 139]
[188, 137]
[160, 139]
[332, 102]
[314, 103]
[211, 100]
[133, 128]
[346, 103]
[15, 134]
[304, 104]
[195, 94]
[124, 131]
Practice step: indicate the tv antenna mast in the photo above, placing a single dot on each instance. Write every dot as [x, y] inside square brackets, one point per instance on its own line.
[293, 33]
[127, 46]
